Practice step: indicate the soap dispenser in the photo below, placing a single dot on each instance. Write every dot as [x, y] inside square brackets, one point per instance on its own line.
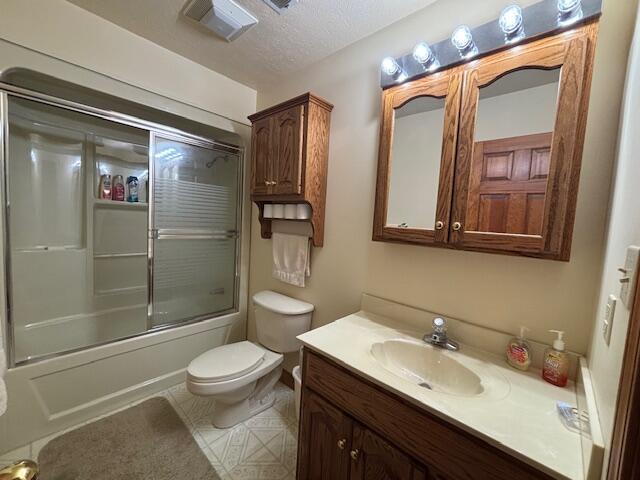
[519, 352]
[555, 369]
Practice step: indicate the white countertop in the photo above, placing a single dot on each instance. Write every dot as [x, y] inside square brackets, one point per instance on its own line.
[521, 419]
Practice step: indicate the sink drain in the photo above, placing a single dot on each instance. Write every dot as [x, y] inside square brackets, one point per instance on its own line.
[425, 385]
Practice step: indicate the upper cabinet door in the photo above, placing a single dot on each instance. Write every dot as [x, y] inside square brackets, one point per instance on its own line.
[519, 149]
[417, 151]
[261, 152]
[287, 160]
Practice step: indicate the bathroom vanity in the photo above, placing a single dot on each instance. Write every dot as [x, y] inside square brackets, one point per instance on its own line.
[378, 402]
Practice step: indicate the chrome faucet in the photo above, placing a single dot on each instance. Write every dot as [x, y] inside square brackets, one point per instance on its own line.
[438, 336]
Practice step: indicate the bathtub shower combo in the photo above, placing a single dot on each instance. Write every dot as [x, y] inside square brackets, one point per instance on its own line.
[83, 269]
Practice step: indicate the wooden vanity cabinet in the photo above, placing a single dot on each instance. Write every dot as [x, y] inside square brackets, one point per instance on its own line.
[289, 158]
[351, 429]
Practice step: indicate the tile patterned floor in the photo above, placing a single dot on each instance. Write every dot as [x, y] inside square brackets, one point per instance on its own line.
[261, 448]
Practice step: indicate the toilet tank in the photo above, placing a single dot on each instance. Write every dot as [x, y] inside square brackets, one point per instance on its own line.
[280, 319]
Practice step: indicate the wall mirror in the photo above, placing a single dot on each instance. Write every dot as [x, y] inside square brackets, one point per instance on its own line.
[415, 163]
[417, 154]
[512, 152]
[486, 155]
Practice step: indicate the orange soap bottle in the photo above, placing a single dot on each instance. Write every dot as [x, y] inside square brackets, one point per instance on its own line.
[555, 368]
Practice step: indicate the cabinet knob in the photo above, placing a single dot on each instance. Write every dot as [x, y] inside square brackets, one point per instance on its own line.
[355, 454]
[342, 443]
[439, 225]
[457, 226]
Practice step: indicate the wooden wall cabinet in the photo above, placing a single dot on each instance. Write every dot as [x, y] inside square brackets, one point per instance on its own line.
[351, 429]
[513, 193]
[290, 149]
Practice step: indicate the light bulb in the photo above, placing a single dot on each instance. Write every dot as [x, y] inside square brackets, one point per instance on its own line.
[567, 6]
[462, 38]
[422, 53]
[390, 66]
[511, 19]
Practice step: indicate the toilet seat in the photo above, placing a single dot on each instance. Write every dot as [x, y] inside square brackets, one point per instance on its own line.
[225, 378]
[226, 362]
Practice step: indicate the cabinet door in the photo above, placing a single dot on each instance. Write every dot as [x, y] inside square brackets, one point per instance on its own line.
[418, 139]
[287, 160]
[262, 153]
[325, 440]
[520, 146]
[372, 458]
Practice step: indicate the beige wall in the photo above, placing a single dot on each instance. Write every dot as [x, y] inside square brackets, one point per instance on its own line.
[497, 291]
[605, 361]
[69, 33]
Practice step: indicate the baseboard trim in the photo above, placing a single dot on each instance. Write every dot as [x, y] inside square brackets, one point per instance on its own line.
[287, 378]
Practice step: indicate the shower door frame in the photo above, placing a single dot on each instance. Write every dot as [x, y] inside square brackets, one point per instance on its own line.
[154, 130]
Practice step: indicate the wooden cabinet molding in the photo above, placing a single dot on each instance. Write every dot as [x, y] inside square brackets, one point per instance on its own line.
[290, 150]
[391, 434]
[573, 52]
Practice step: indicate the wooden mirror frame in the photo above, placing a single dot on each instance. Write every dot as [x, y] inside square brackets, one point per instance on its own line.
[447, 85]
[573, 52]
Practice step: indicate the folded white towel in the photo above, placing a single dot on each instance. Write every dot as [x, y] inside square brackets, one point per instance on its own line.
[291, 258]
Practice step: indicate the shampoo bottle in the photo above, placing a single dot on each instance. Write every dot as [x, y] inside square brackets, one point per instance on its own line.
[519, 352]
[555, 369]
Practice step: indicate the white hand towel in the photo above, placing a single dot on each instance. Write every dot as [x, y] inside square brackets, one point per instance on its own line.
[291, 258]
[3, 371]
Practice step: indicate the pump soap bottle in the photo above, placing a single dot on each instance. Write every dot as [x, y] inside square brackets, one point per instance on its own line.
[555, 369]
[519, 352]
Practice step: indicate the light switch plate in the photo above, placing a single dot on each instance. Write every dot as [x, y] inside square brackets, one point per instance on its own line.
[628, 279]
[607, 320]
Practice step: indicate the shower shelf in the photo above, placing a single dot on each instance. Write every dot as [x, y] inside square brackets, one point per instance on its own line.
[119, 255]
[120, 291]
[119, 204]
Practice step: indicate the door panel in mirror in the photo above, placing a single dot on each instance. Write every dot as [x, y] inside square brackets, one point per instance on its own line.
[511, 153]
[416, 159]
[415, 167]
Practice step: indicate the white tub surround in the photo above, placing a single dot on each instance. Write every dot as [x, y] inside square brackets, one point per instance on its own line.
[515, 411]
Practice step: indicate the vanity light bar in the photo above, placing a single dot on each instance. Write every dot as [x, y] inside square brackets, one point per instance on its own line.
[515, 25]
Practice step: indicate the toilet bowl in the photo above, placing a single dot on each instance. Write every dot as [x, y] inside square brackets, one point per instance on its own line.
[240, 376]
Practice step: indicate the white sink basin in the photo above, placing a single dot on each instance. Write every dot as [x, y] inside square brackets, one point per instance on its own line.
[427, 366]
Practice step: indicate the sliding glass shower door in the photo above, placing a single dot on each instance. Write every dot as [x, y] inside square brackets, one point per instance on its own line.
[194, 230]
[87, 266]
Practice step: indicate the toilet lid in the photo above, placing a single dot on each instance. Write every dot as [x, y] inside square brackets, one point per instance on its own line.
[226, 362]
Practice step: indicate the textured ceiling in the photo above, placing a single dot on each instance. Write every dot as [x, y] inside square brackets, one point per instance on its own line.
[278, 46]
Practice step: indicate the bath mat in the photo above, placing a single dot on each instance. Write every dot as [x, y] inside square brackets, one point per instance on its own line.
[147, 441]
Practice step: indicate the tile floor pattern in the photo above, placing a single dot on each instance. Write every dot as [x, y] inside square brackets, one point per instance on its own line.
[261, 448]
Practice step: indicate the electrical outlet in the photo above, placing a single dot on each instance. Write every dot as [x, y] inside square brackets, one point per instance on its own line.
[607, 321]
[628, 279]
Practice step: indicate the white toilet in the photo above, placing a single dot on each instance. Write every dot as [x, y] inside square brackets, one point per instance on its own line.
[240, 376]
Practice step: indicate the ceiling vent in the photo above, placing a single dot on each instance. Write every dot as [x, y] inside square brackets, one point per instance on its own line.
[224, 17]
[280, 6]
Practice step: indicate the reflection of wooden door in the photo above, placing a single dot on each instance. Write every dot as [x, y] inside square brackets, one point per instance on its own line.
[288, 150]
[507, 185]
[375, 459]
[325, 440]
